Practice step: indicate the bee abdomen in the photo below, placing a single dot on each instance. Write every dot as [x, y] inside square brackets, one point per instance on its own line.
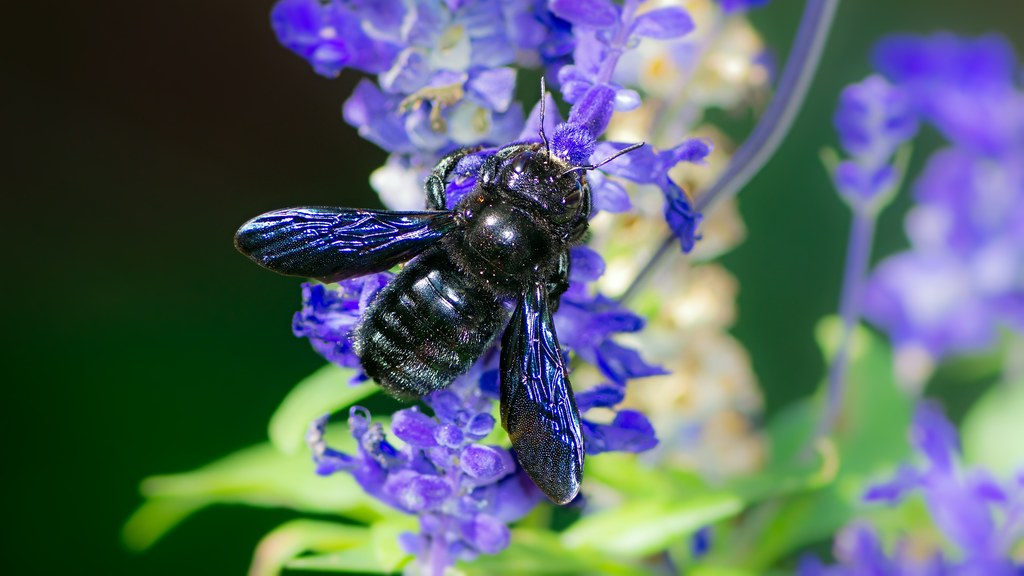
[427, 327]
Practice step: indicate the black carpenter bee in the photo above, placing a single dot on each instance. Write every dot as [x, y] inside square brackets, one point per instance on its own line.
[505, 242]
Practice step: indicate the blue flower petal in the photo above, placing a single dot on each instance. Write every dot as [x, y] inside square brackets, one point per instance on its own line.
[494, 87]
[608, 195]
[486, 533]
[630, 431]
[416, 492]
[682, 219]
[587, 264]
[374, 115]
[935, 437]
[414, 428]
[621, 364]
[592, 13]
[594, 109]
[664, 23]
[552, 118]
[601, 396]
[485, 463]
[730, 6]
[409, 73]
[449, 436]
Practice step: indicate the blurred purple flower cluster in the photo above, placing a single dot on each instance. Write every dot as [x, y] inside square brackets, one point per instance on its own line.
[980, 516]
[463, 492]
[963, 277]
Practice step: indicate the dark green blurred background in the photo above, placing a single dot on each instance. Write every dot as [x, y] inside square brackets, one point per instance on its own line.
[137, 341]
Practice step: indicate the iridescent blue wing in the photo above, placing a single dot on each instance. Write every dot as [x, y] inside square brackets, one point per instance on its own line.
[332, 244]
[538, 409]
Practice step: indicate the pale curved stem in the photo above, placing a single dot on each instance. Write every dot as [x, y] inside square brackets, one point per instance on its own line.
[773, 125]
[789, 98]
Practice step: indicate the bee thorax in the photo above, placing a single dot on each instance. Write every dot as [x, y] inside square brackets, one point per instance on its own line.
[505, 245]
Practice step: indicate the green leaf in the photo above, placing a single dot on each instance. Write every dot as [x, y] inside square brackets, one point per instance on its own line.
[385, 538]
[155, 518]
[296, 537]
[638, 528]
[628, 476]
[361, 560]
[542, 552]
[720, 571]
[993, 429]
[324, 392]
[257, 476]
[794, 465]
[380, 555]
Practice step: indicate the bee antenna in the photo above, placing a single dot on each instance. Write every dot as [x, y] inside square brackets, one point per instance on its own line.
[589, 167]
[543, 100]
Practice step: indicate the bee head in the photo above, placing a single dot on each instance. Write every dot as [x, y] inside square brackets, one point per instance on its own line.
[528, 176]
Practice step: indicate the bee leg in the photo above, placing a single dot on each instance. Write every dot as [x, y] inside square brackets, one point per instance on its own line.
[559, 282]
[438, 179]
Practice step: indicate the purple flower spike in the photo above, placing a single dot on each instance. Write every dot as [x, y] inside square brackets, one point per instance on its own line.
[463, 493]
[873, 119]
[446, 79]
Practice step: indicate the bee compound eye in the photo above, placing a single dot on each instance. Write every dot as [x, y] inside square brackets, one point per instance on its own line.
[575, 196]
[520, 163]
